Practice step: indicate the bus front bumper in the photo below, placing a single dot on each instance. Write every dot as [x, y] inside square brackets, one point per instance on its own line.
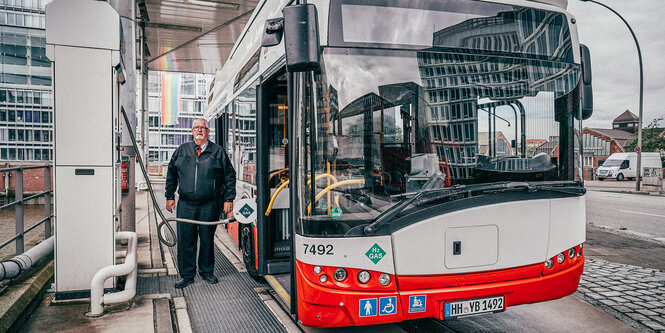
[327, 307]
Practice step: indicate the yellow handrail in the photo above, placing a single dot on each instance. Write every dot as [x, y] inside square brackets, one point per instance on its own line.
[272, 200]
[338, 184]
[275, 172]
[327, 175]
[283, 185]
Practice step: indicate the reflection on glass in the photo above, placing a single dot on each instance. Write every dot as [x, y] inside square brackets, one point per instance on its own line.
[485, 98]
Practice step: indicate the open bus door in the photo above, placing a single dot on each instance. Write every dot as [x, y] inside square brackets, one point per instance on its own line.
[266, 246]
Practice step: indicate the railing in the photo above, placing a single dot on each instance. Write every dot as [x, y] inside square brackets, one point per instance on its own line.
[19, 203]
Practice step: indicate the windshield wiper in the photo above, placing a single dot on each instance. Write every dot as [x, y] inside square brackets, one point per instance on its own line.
[390, 213]
[523, 186]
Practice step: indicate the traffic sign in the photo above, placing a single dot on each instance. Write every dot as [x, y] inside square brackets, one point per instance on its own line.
[637, 149]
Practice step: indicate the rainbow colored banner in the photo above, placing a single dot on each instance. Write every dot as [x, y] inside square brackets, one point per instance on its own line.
[170, 98]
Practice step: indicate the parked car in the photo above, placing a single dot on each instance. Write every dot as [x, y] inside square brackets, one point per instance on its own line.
[624, 165]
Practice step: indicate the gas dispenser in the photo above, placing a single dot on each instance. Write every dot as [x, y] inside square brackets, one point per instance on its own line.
[83, 41]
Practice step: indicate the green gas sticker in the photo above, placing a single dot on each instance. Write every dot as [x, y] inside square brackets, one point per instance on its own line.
[324, 208]
[246, 211]
[375, 253]
[336, 212]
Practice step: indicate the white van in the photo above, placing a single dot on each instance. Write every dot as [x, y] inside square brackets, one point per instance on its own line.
[624, 165]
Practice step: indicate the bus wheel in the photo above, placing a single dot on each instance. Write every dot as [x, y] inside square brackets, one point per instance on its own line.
[247, 247]
[620, 177]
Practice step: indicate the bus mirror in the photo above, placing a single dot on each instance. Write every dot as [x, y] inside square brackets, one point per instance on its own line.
[587, 101]
[586, 64]
[272, 35]
[301, 38]
[587, 90]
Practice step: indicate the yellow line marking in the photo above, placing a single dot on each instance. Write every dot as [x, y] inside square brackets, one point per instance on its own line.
[278, 288]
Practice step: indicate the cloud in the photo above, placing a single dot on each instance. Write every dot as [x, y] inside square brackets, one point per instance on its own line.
[614, 57]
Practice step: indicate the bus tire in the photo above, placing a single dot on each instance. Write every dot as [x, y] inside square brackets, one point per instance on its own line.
[247, 248]
[601, 179]
[620, 177]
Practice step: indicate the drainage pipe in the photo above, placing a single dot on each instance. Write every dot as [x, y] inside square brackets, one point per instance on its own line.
[13, 267]
[97, 297]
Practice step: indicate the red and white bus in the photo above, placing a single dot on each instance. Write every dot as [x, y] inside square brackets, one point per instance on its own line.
[408, 159]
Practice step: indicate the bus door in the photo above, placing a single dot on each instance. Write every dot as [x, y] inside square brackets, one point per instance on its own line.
[267, 245]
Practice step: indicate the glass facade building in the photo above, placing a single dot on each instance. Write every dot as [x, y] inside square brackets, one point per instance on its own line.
[26, 112]
[164, 139]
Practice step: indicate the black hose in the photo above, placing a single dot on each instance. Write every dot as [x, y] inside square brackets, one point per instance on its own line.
[165, 220]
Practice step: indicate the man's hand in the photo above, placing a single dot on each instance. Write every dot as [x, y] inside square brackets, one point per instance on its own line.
[228, 209]
[169, 205]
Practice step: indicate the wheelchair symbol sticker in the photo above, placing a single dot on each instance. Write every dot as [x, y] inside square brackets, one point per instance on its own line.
[417, 303]
[387, 305]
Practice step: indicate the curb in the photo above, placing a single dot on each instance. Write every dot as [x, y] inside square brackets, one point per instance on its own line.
[17, 302]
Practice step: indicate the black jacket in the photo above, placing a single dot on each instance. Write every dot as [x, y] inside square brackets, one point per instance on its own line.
[201, 178]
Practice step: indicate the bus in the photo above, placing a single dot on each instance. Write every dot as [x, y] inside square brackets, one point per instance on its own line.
[407, 159]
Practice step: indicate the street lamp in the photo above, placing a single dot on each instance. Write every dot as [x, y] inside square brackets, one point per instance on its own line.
[638, 178]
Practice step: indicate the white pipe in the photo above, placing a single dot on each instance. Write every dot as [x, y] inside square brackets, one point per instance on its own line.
[13, 267]
[97, 297]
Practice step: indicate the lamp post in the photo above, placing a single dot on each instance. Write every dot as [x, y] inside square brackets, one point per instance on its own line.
[638, 178]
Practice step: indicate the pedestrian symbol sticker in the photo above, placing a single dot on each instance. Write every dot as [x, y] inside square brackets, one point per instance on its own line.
[246, 211]
[417, 303]
[336, 212]
[368, 307]
[387, 305]
[375, 253]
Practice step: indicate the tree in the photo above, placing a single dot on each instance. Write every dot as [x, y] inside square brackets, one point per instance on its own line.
[650, 139]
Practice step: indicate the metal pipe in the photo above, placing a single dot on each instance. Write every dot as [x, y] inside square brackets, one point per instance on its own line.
[97, 297]
[13, 267]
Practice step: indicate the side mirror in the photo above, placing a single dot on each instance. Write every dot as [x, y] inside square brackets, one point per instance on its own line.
[587, 90]
[301, 38]
[272, 34]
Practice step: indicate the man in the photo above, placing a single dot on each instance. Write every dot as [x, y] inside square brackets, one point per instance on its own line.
[205, 178]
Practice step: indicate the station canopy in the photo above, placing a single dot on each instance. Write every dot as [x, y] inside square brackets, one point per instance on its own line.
[193, 36]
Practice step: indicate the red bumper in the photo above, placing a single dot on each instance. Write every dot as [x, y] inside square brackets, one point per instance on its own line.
[320, 306]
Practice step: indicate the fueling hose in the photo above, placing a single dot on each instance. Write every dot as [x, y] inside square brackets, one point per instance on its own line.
[165, 220]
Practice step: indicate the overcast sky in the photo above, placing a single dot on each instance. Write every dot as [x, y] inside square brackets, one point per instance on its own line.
[616, 79]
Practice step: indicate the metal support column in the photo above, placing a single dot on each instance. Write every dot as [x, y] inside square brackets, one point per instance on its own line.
[47, 202]
[18, 187]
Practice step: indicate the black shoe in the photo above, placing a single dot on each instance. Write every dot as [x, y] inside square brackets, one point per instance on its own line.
[184, 282]
[209, 278]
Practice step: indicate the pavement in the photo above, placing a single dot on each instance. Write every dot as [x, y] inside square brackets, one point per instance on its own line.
[624, 277]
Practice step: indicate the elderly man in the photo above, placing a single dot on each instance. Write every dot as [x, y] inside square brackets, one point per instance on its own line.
[205, 179]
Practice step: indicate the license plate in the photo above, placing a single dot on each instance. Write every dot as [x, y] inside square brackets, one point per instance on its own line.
[473, 306]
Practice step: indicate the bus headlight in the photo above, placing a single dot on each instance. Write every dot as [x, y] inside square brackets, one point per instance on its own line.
[363, 277]
[323, 278]
[571, 253]
[317, 269]
[549, 263]
[579, 253]
[560, 258]
[340, 274]
[384, 279]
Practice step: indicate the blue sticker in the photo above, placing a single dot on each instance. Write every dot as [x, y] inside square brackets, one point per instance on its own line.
[367, 307]
[417, 303]
[387, 305]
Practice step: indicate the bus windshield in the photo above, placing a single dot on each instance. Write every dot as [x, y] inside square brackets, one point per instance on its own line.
[392, 123]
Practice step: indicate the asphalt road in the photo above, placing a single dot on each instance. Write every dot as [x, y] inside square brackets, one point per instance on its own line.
[642, 214]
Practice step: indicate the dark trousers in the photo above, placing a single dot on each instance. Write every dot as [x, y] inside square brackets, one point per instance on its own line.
[188, 234]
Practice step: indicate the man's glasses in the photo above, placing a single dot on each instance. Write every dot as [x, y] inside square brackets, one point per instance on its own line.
[199, 128]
